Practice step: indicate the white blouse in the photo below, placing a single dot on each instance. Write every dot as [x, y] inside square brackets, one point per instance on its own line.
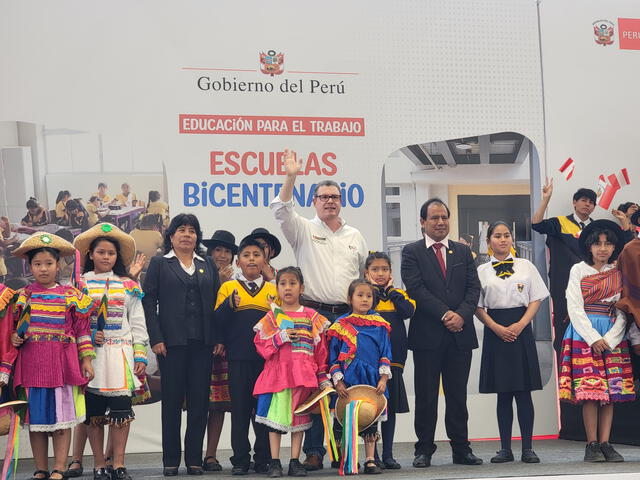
[518, 290]
[575, 306]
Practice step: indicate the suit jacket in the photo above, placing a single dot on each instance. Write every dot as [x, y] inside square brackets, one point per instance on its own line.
[165, 298]
[423, 279]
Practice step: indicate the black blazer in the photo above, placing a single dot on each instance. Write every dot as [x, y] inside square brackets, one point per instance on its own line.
[423, 280]
[165, 296]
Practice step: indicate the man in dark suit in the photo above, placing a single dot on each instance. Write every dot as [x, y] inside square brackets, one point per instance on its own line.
[440, 275]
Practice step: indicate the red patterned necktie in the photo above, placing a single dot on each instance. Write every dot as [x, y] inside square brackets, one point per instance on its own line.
[437, 247]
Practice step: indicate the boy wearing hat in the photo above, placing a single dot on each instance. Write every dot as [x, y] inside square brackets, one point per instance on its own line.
[241, 303]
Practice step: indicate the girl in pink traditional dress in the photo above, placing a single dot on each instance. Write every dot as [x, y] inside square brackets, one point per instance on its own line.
[291, 338]
[596, 367]
[55, 352]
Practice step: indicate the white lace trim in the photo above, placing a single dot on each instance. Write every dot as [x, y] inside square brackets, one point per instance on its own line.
[385, 369]
[116, 393]
[4, 377]
[336, 377]
[56, 426]
[283, 428]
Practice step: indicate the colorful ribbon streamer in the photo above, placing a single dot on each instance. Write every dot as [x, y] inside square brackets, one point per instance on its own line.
[11, 453]
[349, 464]
[329, 438]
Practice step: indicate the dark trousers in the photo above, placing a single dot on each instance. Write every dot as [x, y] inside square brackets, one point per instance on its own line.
[242, 379]
[453, 365]
[185, 373]
[314, 436]
[560, 323]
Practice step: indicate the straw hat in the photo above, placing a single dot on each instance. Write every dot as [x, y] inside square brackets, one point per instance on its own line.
[44, 239]
[311, 404]
[126, 242]
[5, 414]
[372, 407]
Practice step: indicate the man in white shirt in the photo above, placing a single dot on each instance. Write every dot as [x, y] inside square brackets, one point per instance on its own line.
[330, 253]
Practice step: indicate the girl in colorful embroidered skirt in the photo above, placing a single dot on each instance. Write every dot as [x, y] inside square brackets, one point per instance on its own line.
[395, 306]
[596, 367]
[121, 341]
[55, 351]
[360, 354]
[291, 338]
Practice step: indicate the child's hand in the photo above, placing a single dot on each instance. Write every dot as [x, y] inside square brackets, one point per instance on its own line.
[99, 338]
[389, 284]
[139, 369]
[341, 388]
[600, 346]
[218, 349]
[16, 341]
[293, 335]
[234, 299]
[382, 384]
[87, 368]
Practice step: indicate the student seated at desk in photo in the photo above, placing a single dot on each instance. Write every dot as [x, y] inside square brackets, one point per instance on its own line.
[127, 198]
[155, 206]
[92, 210]
[78, 216]
[61, 207]
[103, 197]
[36, 214]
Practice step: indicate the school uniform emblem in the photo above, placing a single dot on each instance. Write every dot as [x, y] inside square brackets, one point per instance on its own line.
[603, 31]
[272, 63]
[520, 287]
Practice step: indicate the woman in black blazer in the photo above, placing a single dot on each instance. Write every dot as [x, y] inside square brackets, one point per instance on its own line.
[180, 294]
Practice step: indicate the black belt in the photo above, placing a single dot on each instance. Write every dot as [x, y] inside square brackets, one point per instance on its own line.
[327, 307]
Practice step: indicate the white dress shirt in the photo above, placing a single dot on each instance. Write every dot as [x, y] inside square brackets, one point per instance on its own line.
[518, 290]
[428, 241]
[575, 306]
[329, 260]
[189, 270]
[258, 281]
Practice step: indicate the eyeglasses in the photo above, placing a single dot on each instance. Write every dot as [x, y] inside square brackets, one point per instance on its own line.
[326, 198]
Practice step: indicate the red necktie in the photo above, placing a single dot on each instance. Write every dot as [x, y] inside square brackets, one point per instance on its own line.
[437, 248]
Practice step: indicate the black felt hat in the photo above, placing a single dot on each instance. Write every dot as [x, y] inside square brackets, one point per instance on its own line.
[635, 218]
[222, 238]
[601, 225]
[271, 239]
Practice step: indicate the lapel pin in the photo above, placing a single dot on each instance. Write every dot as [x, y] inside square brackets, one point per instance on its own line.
[201, 270]
[450, 251]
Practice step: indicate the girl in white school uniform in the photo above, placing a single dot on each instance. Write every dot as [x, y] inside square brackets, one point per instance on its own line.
[512, 290]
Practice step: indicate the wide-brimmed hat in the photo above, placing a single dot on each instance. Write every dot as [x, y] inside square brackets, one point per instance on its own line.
[601, 225]
[373, 405]
[5, 414]
[44, 239]
[222, 238]
[108, 230]
[271, 239]
[312, 403]
[635, 218]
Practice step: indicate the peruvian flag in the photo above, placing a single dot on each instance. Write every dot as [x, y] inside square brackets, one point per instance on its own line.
[602, 184]
[623, 177]
[567, 168]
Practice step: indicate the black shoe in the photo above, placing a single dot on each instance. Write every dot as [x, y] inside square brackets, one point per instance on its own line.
[109, 467]
[120, 473]
[261, 467]
[170, 471]
[422, 460]
[529, 456]
[371, 468]
[240, 470]
[466, 459]
[101, 474]
[503, 456]
[296, 469]
[335, 464]
[40, 475]
[609, 453]
[72, 472]
[593, 454]
[391, 464]
[275, 469]
[213, 466]
[195, 470]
